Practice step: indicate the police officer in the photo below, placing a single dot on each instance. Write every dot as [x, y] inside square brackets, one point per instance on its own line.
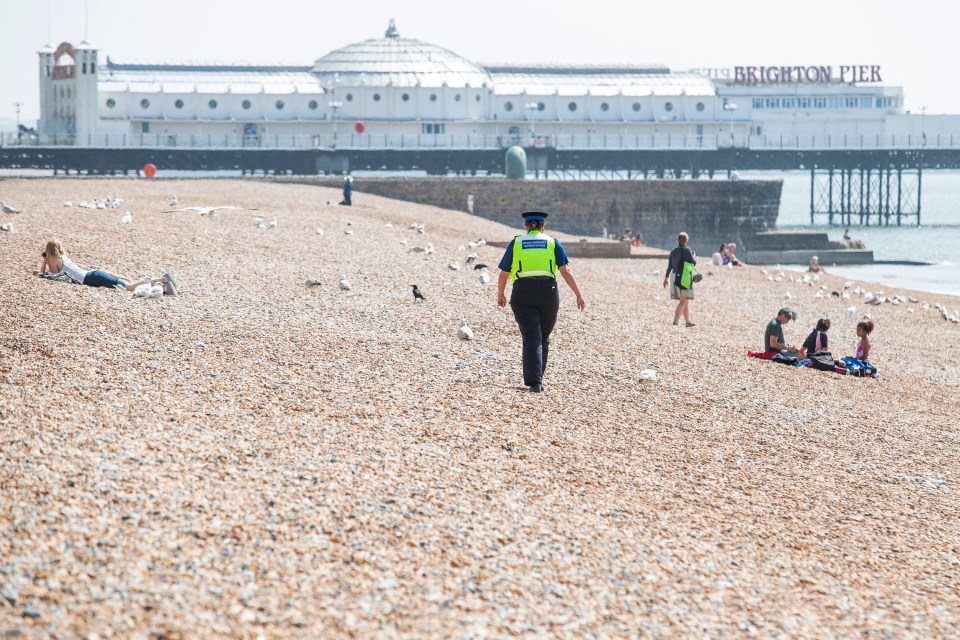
[532, 262]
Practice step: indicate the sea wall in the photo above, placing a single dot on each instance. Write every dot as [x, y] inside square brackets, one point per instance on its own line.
[711, 211]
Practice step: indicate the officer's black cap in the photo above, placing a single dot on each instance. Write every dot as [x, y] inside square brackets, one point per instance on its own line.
[534, 215]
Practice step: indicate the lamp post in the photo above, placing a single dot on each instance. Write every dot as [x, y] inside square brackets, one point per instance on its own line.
[923, 125]
[334, 105]
[731, 107]
[531, 107]
[17, 106]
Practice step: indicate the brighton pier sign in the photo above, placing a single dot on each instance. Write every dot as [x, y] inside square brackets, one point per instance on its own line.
[816, 74]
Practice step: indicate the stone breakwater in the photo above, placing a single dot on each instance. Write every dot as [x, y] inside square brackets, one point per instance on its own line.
[256, 457]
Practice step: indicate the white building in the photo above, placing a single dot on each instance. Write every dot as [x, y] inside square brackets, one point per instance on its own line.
[395, 92]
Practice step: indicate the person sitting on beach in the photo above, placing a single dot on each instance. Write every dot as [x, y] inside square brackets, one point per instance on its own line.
[731, 256]
[817, 340]
[861, 364]
[719, 258]
[815, 266]
[846, 235]
[57, 266]
[773, 341]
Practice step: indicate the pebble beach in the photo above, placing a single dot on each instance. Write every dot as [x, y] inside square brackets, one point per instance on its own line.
[256, 457]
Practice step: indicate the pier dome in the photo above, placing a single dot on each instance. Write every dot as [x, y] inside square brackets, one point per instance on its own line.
[398, 62]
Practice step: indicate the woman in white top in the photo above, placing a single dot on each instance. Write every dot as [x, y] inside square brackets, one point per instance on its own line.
[56, 264]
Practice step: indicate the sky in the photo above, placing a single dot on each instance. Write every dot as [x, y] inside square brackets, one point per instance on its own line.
[909, 40]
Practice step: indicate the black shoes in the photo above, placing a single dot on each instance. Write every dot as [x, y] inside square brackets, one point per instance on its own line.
[536, 388]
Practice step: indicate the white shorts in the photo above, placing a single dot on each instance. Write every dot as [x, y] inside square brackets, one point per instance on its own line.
[676, 292]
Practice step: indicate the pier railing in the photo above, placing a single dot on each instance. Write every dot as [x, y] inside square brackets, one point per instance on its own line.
[593, 141]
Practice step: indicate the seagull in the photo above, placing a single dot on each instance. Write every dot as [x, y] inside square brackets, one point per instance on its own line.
[311, 282]
[345, 284]
[470, 258]
[421, 229]
[388, 226]
[851, 311]
[348, 232]
[649, 372]
[464, 332]
[127, 218]
[204, 211]
[787, 295]
[416, 293]
[483, 266]
[403, 242]
[67, 203]
[454, 266]
[7, 226]
[484, 277]
[173, 201]
[480, 242]
[429, 249]
[319, 231]
[273, 224]
[258, 221]
[8, 208]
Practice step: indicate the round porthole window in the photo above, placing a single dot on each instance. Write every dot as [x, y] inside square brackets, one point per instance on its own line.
[668, 106]
[457, 97]
[245, 104]
[636, 106]
[478, 98]
[376, 97]
[700, 106]
[178, 104]
[145, 103]
[312, 105]
[508, 106]
[349, 97]
[111, 103]
[212, 104]
[406, 97]
[541, 106]
[433, 97]
[280, 105]
[572, 106]
[604, 106]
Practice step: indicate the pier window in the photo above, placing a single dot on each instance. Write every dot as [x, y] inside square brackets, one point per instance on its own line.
[850, 103]
[758, 103]
[405, 97]
[636, 106]
[178, 104]
[788, 103]
[433, 97]
[701, 106]
[144, 104]
[819, 103]
[508, 106]
[865, 102]
[245, 104]
[279, 104]
[572, 106]
[540, 106]
[144, 127]
[432, 127]
[458, 98]
[312, 105]
[111, 103]
[604, 106]
[212, 104]
[803, 103]
[668, 106]
[349, 97]
[772, 103]
[478, 97]
[376, 97]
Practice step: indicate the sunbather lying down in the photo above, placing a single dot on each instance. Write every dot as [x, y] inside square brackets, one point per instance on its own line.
[57, 266]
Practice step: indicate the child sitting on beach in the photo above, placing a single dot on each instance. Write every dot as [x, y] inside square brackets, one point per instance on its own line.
[817, 340]
[57, 266]
[861, 364]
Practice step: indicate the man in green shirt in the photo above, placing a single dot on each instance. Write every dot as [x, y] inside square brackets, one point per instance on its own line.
[773, 336]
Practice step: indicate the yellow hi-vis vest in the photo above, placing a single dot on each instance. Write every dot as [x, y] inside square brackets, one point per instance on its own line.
[533, 255]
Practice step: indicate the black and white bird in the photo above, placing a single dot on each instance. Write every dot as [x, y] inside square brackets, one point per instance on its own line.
[416, 294]
[470, 258]
[483, 266]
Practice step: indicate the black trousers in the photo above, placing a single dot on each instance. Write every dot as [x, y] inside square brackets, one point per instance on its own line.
[535, 303]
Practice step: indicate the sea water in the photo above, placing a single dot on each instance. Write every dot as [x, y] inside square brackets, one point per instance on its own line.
[935, 241]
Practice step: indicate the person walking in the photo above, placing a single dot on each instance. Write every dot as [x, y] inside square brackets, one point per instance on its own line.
[347, 191]
[681, 285]
[532, 262]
